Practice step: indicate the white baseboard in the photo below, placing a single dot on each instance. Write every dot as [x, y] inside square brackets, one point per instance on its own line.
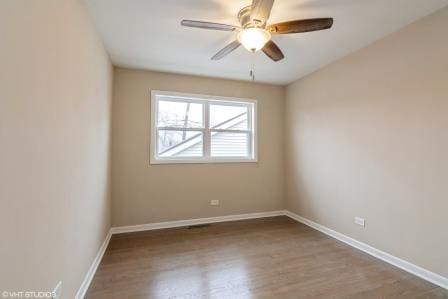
[197, 221]
[393, 260]
[92, 270]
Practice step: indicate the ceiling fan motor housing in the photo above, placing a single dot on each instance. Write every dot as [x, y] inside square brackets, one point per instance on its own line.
[244, 18]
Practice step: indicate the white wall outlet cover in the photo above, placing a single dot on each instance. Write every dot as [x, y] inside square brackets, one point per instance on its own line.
[360, 221]
[56, 294]
[214, 202]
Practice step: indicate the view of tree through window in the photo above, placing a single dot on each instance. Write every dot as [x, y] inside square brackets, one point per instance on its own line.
[192, 128]
[182, 115]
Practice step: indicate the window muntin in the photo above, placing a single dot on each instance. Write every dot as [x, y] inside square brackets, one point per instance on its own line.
[201, 129]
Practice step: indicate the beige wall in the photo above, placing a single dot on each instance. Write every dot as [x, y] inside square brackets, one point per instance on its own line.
[144, 193]
[55, 97]
[367, 136]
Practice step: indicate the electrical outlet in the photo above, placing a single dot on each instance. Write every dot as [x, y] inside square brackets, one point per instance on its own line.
[360, 221]
[57, 291]
[214, 202]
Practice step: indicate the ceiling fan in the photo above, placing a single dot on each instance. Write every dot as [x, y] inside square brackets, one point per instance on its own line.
[255, 34]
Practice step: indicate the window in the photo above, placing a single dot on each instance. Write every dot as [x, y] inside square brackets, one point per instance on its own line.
[201, 129]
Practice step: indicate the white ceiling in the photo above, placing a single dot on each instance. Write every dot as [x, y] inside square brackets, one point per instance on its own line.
[146, 34]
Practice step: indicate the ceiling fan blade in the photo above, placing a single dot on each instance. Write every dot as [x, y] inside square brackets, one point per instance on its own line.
[299, 26]
[273, 51]
[207, 25]
[260, 10]
[226, 50]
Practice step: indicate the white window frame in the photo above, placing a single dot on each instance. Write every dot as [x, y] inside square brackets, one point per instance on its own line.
[206, 100]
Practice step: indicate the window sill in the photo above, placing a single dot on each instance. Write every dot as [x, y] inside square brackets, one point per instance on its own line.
[203, 161]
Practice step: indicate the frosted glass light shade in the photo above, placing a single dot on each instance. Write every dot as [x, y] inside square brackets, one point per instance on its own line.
[253, 39]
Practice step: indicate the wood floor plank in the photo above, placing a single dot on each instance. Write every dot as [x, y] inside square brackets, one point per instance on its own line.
[263, 258]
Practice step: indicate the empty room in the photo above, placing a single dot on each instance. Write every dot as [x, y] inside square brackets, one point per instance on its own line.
[223, 149]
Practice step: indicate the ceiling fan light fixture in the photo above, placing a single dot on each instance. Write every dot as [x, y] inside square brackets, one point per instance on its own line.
[254, 32]
[254, 39]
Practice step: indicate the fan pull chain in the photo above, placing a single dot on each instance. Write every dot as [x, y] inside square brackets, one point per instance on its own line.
[252, 70]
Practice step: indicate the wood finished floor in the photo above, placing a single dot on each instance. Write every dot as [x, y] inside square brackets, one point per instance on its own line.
[264, 258]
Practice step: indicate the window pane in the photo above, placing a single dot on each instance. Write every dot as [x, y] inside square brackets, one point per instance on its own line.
[227, 144]
[180, 114]
[228, 117]
[179, 143]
